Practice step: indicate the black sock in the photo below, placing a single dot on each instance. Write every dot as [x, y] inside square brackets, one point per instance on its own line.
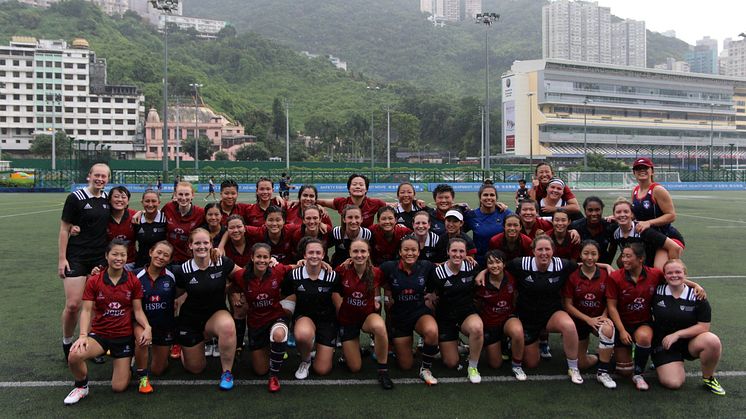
[240, 331]
[428, 354]
[82, 383]
[276, 355]
[641, 358]
[602, 368]
[382, 367]
[142, 372]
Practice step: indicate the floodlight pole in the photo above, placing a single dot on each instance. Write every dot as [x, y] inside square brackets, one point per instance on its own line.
[196, 87]
[487, 19]
[167, 7]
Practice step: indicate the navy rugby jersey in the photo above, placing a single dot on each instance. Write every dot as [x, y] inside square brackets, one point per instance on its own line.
[158, 298]
[407, 288]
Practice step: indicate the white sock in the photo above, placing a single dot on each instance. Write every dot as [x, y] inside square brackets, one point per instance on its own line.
[67, 340]
[473, 364]
[572, 363]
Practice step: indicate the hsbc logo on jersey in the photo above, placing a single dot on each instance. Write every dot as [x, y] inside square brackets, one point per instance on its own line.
[408, 295]
[637, 305]
[155, 298]
[114, 310]
[356, 299]
[262, 300]
[121, 237]
[590, 296]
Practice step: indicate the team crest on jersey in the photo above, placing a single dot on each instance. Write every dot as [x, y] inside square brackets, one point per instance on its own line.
[274, 283]
[100, 296]
[646, 204]
[421, 280]
[686, 308]
[467, 279]
[553, 279]
[166, 285]
[128, 294]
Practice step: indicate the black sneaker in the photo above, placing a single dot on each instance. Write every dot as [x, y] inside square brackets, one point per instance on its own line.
[385, 380]
[99, 360]
[66, 349]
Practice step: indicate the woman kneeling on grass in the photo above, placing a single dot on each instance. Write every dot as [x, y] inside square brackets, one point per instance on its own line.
[681, 325]
[159, 292]
[357, 299]
[115, 295]
[585, 301]
[496, 301]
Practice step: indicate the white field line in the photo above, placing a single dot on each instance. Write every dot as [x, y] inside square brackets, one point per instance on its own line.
[29, 213]
[718, 277]
[315, 382]
[711, 218]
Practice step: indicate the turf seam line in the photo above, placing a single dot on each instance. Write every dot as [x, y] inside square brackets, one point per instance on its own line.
[322, 382]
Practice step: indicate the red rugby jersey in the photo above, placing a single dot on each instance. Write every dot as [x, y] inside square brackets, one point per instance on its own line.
[123, 230]
[253, 214]
[293, 217]
[588, 295]
[283, 250]
[263, 295]
[633, 299]
[384, 249]
[524, 247]
[112, 304]
[358, 300]
[369, 207]
[496, 305]
[178, 228]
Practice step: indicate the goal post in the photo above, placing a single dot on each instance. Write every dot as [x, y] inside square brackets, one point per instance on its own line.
[611, 180]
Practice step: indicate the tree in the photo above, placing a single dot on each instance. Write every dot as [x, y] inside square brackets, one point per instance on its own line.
[221, 155]
[42, 145]
[252, 152]
[278, 118]
[229, 31]
[597, 161]
[205, 147]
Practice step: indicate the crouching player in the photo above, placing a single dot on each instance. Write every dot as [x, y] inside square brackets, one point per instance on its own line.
[261, 286]
[115, 295]
[496, 301]
[584, 298]
[357, 298]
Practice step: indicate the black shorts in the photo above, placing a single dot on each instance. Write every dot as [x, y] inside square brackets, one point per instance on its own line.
[493, 335]
[118, 347]
[190, 331]
[631, 330]
[584, 331]
[403, 326]
[679, 352]
[164, 337]
[259, 337]
[82, 265]
[449, 327]
[349, 332]
[326, 332]
[533, 325]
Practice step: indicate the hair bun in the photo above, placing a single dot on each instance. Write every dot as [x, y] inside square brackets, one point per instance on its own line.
[488, 182]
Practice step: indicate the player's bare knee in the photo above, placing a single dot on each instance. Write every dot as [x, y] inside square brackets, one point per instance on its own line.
[322, 370]
[672, 383]
[119, 387]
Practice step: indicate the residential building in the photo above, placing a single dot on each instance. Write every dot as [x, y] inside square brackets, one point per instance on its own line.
[672, 64]
[471, 8]
[703, 58]
[736, 61]
[629, 43]
[186, 121]
[48, 86]
[621, 112]
[206, 28]
[576, 30]
[427, 6]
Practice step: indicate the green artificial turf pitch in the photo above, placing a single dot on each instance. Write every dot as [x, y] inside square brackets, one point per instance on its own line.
[34, 379]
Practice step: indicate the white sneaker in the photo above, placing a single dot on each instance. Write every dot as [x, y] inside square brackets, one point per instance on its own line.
[302, 372]
[76, 395]
[640, 382]
[519, 374]
[606, 380]
[545, 351]
[474, 376]
[575, 376]
[208, 349]
[427, 377]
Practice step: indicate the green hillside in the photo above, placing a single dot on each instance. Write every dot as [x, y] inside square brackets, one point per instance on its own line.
[391, 39]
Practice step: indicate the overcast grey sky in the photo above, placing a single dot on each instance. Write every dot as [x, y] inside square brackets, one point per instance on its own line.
[690, 19]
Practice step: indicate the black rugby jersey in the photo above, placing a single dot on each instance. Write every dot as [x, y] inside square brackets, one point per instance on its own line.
[539, 292]
[148, 234]
[432, 248]
[341, 243]
[455, 290]
[313, 297]
[671, 314]
[603, 238]
[205, 288]
[91, 214]
[651, 238]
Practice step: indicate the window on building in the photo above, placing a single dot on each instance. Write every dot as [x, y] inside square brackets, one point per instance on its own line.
[94, 132]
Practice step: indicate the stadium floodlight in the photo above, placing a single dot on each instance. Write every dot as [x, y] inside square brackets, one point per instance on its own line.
[167, 6]
[487, 19]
